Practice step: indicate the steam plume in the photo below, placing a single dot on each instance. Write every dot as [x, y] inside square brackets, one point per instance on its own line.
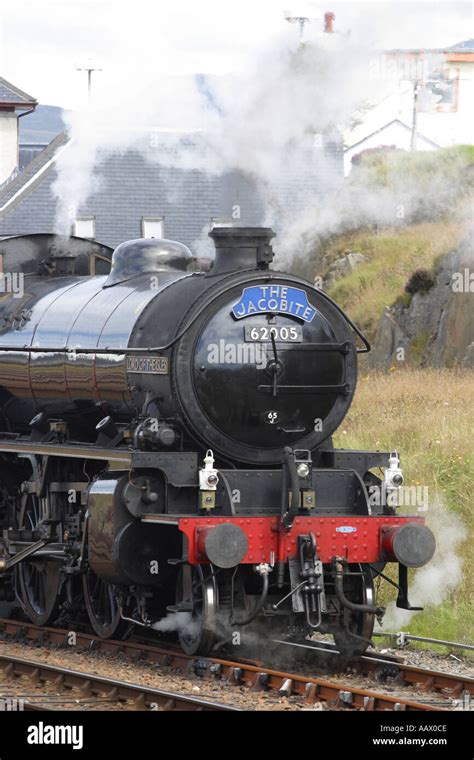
[433, 583]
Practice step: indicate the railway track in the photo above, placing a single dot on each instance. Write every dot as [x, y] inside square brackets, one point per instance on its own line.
[439, 690]
[403, 639]
[52, 687]
[394, 668]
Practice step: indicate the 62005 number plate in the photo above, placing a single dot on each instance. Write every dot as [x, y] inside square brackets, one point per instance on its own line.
[282, 333]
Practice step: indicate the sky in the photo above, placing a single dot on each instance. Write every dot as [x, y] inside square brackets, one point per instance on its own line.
[43, 42]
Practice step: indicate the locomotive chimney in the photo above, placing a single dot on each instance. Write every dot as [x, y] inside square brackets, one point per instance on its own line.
[241, 248]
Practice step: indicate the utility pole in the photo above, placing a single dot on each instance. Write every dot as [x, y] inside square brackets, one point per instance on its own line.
[89, 70]
[414, 121]
[301, 21]
[417, 79]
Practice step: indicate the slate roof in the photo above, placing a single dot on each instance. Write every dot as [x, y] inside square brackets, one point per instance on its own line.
[11, 95]
[33, 168]
[467, 46]
[133, 185]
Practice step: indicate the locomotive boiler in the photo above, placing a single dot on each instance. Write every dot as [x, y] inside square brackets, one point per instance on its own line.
[166, 447]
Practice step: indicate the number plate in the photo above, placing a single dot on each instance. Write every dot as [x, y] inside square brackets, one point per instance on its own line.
[282, 333]
[156, 365]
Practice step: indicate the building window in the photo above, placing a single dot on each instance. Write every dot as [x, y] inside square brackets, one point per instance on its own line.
[152, 227]
[84, 227]
[439, 92]
[98, 264]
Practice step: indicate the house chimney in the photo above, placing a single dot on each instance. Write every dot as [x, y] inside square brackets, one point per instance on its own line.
[329, 22]
[14, 103]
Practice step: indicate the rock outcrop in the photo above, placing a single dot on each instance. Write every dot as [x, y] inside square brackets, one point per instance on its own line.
[341, 267]
[436, 328]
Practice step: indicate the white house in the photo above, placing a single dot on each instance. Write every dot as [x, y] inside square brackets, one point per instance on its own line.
[14, 103]
[429, 103]
[394, 134]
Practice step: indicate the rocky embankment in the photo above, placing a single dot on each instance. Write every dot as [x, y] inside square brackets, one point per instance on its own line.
[427, 328]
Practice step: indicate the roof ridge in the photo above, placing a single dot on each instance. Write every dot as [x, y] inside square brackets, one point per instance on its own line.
[466, 45]
[384, 126]
[17, 91]
[32, 169]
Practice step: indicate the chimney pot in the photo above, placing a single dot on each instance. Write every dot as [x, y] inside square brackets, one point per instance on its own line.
[329, 22]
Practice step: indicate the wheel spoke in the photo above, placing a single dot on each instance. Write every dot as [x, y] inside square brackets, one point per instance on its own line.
[199, 636]
[102, 608]
[39, 579]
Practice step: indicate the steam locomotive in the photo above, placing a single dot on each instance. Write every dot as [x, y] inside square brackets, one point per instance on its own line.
[166, 446]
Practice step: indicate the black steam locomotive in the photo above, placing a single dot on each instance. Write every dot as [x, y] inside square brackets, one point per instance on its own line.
[165, 446]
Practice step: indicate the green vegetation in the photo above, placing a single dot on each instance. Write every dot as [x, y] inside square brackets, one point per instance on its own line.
[421, 281]
[427, 416]
[418, 347]
[450, 168]
[433, 190]
[392, 256]
[419, 161]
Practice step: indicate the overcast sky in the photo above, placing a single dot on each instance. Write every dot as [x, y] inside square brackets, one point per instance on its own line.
[42, 43]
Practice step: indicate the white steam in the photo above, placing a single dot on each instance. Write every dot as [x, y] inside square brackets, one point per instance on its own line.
[365, 200]
[272, 123]
[180, 622]
[433, 583]
[267, 123]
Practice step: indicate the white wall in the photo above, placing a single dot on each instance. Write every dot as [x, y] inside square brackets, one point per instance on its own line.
[443, 127]
[393, 134]
[457, 127]
[8, 143]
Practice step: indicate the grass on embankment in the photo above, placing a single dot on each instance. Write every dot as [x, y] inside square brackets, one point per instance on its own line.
[427, 415]
[392, 256]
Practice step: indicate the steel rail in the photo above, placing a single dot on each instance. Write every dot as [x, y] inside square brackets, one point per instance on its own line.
[402, 638]
[394, 667]
[447, 686]
[140, 696]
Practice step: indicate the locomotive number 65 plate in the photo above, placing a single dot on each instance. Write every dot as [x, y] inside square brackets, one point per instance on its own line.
[282, 333]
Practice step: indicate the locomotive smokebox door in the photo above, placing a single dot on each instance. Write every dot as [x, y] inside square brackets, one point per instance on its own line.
[264, 359]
